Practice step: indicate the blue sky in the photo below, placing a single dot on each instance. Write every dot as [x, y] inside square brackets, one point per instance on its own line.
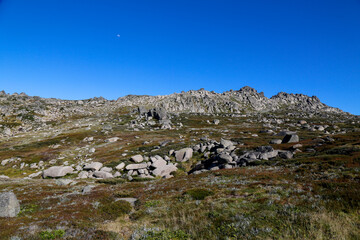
[70, 48]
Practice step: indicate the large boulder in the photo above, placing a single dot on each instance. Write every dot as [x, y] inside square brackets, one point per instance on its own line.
[9, 205]
[226, 143]
[157, 163]
[102, 174]
[165, 170]
[290, 138]
[120, 166]
[136, 166]
[57, 171]
[286, 154]
[269, 155]
[225, 158]
[95, 166]
[184, 154]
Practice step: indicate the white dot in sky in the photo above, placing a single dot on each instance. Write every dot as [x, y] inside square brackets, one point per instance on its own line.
[118, 35]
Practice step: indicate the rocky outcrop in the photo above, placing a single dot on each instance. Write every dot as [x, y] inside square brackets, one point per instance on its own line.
[224, 155]
[245, 99]
[35, 111]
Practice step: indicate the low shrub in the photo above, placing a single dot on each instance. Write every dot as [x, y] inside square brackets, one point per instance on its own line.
[54, 234]
[165, 235]
[199, 193]
[115, 209]
[111, 181]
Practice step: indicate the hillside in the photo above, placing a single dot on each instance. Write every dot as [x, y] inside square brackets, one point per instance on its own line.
[189, 165]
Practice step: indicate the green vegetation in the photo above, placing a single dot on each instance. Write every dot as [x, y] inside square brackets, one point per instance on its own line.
[166, 235]
[113, 209]
[111, 181]
[199, 193]
[54, 234]
[315, 195]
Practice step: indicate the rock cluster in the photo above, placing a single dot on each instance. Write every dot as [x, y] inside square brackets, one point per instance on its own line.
[224, 155]
[143, 167]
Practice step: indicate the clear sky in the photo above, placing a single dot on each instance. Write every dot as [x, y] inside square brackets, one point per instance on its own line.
[76, 49]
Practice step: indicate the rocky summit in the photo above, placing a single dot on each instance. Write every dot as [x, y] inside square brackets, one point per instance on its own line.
[189, 165]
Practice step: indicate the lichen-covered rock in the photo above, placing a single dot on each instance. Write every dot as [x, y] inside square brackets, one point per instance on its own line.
[9, 205]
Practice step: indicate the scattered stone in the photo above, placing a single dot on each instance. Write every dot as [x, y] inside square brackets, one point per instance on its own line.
[276, 141]
[87, 189]
[137, 158]
[111, 140]
[120, 166]
[4, 162]
[297, 146]
[33, 175]
[290, 138]
[286, 154]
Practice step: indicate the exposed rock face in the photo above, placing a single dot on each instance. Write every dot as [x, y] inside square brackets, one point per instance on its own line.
[34, 111]
[9, 205]
[202, 101]
[158, 113]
